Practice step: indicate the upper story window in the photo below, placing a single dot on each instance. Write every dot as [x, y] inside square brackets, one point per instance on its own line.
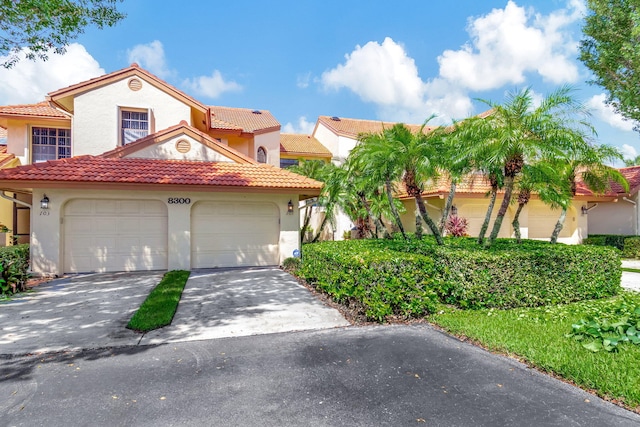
[286, 163]
[262, 155]
[134, 124]
[50, 144]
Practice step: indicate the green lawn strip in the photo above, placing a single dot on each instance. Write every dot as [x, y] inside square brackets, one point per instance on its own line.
[538, 335]
[631, 270]
[161, 304]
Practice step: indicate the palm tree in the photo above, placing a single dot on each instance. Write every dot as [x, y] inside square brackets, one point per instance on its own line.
[415, 155]
[584, 162]
[517, 132]
[632, 162]
[315, 169]
[454, 162]
[370, 157]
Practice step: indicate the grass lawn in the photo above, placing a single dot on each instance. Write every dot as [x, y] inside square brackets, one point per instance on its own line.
[538, 336]
[631, 270]
[161, 304]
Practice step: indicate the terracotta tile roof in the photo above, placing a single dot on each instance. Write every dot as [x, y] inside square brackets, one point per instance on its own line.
[130, 71]
[243, 120]
[353, 127]
[297, 144]
[632, 174]
[92, 169]
[5, 157]
[173, 131]
[41, 109]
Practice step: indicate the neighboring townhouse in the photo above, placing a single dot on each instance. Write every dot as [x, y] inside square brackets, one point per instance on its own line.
[294, 147]
[125, 172]
[613, 213]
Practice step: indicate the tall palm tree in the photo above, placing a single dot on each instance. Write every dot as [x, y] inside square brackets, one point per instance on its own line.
[517, 132]
[370, 157]
[632, 162]
[315, 169]
[416, 154]
[584, 162]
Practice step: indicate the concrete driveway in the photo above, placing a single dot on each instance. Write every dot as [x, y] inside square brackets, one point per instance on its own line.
[91, 311]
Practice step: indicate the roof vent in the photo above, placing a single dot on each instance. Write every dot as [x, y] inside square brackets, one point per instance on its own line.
[335, 118]
[257, 112]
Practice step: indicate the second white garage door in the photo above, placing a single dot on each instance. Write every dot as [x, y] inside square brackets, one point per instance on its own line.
[233, 234]
[115, 235]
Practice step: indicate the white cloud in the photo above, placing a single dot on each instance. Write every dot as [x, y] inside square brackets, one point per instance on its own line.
[303, 80]
[151, 57]
[385, 75]
[211, 86]
[29, 81]
[607, 114]
[629, 152]
[508, 43]
[303, 126]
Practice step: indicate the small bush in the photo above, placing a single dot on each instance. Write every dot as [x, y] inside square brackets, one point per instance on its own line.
[371, 282]
[14, 269]
[291, 264]
[631, 247]
[456, 226]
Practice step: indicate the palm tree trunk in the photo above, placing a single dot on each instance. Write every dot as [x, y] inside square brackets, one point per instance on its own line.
[427, 219]
[516, 223]
[307, 219]
[376, 221]
[321, 228]
[447, 206]
[559, 225]
[418, 225]
[497, 224]
[487, 218]
[394, 211]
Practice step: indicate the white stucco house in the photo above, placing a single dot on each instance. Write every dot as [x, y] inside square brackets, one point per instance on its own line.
[124, 172]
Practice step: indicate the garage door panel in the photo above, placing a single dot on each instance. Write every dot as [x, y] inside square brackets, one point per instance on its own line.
[114, 235]
[229, 234]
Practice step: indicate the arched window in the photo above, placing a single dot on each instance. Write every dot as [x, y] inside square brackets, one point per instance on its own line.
[262, 155]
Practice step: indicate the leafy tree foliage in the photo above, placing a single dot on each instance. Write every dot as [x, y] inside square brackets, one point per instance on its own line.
[41, 26]
[611, 50]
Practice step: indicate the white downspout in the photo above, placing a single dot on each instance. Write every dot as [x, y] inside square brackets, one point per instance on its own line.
[14, 200]
[635, 223]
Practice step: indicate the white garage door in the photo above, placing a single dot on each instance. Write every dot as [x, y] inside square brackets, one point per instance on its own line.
[115, 235]
[232, 234]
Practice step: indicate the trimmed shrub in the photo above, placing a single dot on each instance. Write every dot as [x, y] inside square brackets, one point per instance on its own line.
[371, 282]
[291, 264]
[631, 247]
[614, 240]
[14, 269]
[461, 272]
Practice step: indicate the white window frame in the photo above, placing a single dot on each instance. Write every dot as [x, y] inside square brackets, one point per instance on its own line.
[141, 134]
[58, 147]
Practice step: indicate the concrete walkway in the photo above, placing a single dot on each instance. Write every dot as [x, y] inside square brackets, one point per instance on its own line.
[631, 280]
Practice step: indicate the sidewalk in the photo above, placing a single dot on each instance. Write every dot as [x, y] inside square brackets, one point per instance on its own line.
[631, 280]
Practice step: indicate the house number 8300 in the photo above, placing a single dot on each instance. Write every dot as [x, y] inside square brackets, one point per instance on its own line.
[179, 201]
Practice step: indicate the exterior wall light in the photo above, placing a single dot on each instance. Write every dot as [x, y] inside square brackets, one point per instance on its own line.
[584, 209]
[454, 210]
[44, 203]
[290, 208]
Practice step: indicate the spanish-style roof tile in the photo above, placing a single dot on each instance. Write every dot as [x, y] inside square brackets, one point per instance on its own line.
[41, 109]
[353, 127]
[632, 175]
[181, 128]
[303, 145]
[5, 157]
[243, 120]
[91, 169]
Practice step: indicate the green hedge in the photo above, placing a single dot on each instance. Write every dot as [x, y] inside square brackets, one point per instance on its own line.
[615, 240]
[462, 273]
[371, 282]
[14, 269]
[631, 247]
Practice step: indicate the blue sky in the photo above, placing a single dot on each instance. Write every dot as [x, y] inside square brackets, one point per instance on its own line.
[357, 59]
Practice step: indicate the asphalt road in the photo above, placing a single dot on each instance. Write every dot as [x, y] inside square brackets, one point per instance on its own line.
[358, 376]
